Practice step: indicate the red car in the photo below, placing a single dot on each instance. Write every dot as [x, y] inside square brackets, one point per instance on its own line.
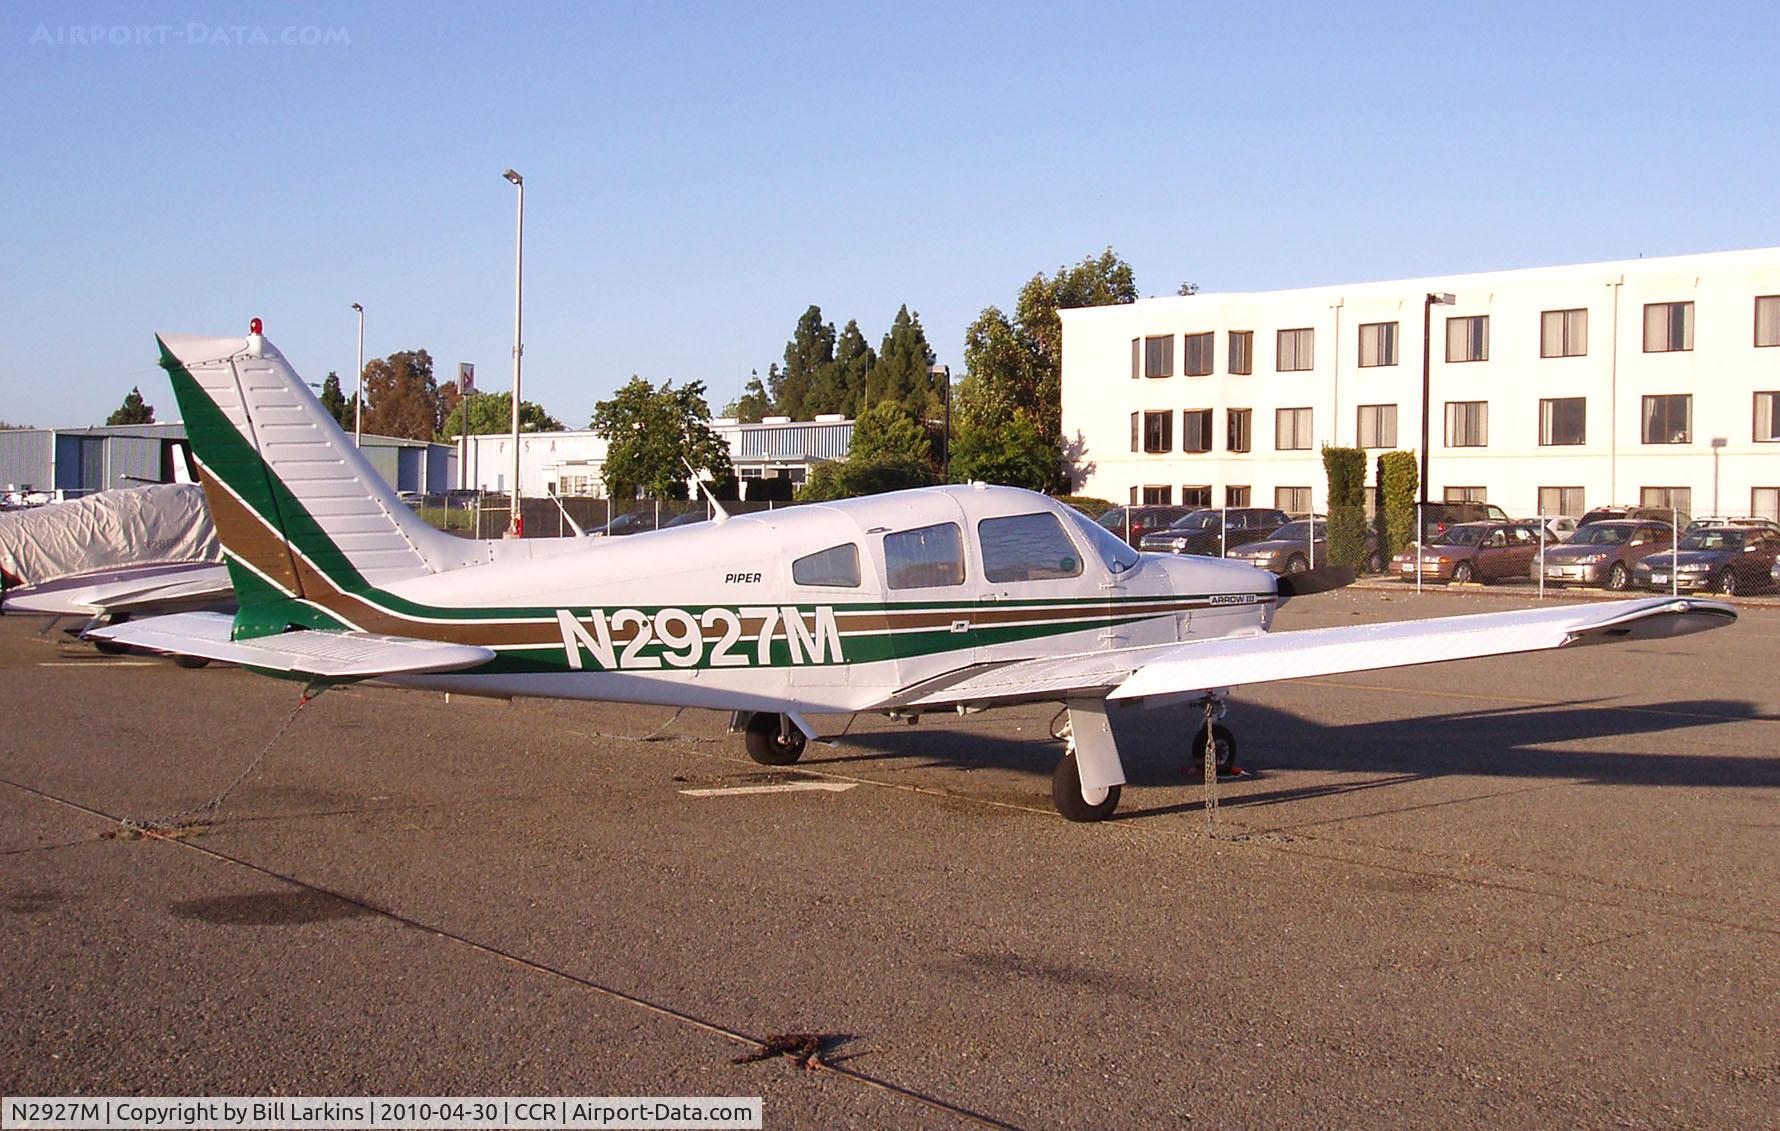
[1473, 551]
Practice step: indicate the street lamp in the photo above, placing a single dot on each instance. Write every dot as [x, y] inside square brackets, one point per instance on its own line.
[358, 404]
[944, 373]
[516, 524]
[1428, 306]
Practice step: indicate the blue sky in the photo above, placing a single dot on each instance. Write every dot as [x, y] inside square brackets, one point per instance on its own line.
[696, 175]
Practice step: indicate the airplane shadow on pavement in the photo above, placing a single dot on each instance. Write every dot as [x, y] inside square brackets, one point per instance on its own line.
[1516, 742]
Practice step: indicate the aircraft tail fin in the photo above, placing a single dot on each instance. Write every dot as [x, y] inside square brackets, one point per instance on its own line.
[304, 518]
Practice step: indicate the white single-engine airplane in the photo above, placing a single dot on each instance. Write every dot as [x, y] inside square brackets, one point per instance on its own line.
[938, 599]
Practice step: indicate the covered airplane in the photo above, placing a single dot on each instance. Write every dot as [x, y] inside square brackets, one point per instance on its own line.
[113, 554]
[934, 600]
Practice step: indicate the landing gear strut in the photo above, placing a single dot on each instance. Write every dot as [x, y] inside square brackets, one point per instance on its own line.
[773, 740]
[1224, 759]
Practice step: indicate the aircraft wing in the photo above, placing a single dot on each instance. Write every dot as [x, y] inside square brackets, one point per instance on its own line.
[318, 655]
[1164, 670]
[137, 591]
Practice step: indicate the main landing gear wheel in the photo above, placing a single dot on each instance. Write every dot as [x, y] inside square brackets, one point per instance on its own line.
[773, 740]
[191, 661]
[1226, 747]
[1066, 794]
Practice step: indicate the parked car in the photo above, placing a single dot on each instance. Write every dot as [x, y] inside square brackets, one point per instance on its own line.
[1290, 549]
[1132, 523]
[1473, 551]
[1214, 532]
[1643, 513]
[1736, 520]
[1730, 559]
[635, 522]
[1437, 517]
[1558, 528]
[1603, 553]
[687, 519]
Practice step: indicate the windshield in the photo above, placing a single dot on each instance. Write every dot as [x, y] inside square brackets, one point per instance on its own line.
[1600, 534]
[1713, 540]
[1198, 520]
[1111, 548]
[1297, 532]
[1457, 536]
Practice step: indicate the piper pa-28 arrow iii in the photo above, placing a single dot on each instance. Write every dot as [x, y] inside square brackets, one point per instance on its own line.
[937, 599]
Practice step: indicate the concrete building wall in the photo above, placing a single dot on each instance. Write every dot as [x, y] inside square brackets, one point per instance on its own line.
[1722, 461]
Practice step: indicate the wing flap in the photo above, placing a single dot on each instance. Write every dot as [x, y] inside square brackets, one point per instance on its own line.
[320, 655]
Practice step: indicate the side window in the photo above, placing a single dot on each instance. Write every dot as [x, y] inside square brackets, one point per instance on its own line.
[837, 565]
[1027, 547]
[930, 555]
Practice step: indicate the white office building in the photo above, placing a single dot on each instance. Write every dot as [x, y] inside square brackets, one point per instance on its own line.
[1549, 390]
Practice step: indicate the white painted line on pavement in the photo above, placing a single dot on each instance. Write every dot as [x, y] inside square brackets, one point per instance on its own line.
[781, 787]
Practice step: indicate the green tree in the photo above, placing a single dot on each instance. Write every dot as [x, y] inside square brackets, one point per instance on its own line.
[1013, 454]
[1398, 480]
[853, 362]
[4, 426]
[903, 372]
[851, 478]
[1014, 364]
[401, 397]
[886, 431]
[334, 400]
[1346, 469]
[754, 403]
[653, 435]
[493, 412]
[809, 365]
[133, 411]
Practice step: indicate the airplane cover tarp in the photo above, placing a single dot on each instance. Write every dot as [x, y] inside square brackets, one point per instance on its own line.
[161, 524]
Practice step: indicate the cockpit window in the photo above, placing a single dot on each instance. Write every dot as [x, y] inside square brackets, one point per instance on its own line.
[1027, 547]
[837, 565]
[1112, 549]
[924, 557]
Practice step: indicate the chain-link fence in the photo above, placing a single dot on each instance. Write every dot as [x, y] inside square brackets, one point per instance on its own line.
[1627, 549]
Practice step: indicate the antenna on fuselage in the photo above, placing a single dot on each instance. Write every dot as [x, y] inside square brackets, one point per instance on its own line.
[722, 515]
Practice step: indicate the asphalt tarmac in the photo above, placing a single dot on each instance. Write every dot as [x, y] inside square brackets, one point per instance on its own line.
[1517, 892]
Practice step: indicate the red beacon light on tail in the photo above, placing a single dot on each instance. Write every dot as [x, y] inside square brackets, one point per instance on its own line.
[254, 326]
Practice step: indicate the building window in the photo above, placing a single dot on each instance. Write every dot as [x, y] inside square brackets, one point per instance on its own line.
[1194, 495]
[1563, 333]
[1291, 429]
[1158, 356]
[1242, 352]
[1668, 419]
[1157, 496]
[1158, 431]
[1561, 500]
[1466, 495]
[1668, 327]
[1136, 431]
[1468, 339]
[1237, 429]
[1236, 496]
[1195, 430]
[1136, 358]
[1767, 418]
[1467, 424]
[1764, 502]
[1668, 498]
[1562, 421]
[1378, 344]
[1378, 425]
[1767, 320]
[1199, 349]
[1295, 351]
[1292, 500]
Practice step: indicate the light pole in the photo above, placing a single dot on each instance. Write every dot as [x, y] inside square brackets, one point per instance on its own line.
[944, 373]
[358, 403]
[1428, 306]
[516, 524]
